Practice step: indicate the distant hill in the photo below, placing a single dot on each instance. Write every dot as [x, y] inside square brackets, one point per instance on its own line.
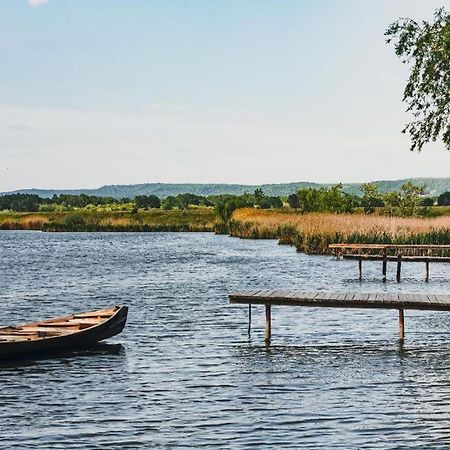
[434, 186]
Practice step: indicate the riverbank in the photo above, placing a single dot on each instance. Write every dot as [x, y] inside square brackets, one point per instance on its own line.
[312, 233]
[309, 233]
[198, 219]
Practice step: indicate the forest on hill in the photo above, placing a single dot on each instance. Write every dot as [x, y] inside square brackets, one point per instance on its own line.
[434, 187]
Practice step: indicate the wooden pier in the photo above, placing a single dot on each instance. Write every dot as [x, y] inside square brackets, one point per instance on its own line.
[400, 302]
[393, 253]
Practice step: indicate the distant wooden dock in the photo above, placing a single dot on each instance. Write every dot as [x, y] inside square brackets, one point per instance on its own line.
[399, 302]
[393, 253]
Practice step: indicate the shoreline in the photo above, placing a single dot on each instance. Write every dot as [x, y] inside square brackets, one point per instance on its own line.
[308, 233]
[201, 219]
[312, 233]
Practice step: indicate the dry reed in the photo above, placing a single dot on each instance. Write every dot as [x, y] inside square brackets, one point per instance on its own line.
[23, 222]
[312, 233]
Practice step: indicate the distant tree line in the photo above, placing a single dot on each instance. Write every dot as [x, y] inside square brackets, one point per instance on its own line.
[408, 201]
[32, 202]
[20, 202]
[184, 201]
[332, 199]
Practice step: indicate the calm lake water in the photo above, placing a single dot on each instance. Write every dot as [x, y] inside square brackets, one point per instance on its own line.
[184, 372]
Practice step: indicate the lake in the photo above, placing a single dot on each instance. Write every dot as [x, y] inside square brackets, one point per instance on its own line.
[185, 374]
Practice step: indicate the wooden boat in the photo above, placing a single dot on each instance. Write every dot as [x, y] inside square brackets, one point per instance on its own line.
[77, 330]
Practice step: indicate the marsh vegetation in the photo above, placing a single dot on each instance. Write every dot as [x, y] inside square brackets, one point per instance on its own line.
[310, 219]
[313, 232]
[200, 219]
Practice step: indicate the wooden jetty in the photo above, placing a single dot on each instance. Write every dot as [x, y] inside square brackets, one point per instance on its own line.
[399, 302]
[394, 253]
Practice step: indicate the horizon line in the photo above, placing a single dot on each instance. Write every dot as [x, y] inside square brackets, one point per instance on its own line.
[221, 184]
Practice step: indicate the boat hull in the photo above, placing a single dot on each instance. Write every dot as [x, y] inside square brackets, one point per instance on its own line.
[78, 339]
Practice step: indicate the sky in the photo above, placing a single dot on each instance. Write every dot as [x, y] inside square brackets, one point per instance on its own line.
[190, 91]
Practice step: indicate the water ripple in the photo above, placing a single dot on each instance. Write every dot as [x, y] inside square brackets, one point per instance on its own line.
[185, 374]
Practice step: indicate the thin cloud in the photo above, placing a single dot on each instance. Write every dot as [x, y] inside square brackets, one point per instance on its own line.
[35, 3]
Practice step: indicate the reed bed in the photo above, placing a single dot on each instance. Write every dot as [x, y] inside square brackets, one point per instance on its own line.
[312, 233]
[133, 227]
[85, 220]
[23, 222]
[114, 222]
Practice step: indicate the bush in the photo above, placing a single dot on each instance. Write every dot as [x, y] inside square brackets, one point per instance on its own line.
[444, 199]
[147, 201]
[75, 222]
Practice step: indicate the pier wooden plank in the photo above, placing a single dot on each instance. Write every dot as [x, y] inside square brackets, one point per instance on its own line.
[253, 291]
[436, 299]
[263, 293]
[344, 299]
[365, 257]
[419, 253]
[359, 296]
[291, 294]
[397, 301]
[256, 293]
[392, 246]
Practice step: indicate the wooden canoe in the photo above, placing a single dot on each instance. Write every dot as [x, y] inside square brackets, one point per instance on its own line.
[77, 330]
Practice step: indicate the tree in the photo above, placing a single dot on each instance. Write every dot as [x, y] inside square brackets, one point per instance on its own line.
[228, 204]
[444, 199]
[392, 201]
[187, 199]
[426, 46]
[169, 202]
[258, 196]
[293, 201]
[371, 197]
[21, 202]
[147, 201]
[270, 202]
[334, 199]
[427, 201]
[410, 198]
[81, 200]
[140, 201]
[308, 200]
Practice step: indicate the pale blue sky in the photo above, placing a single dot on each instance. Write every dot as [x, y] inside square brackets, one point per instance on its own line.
[130, 91]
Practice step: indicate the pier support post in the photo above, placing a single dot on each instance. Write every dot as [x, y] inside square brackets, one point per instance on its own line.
[268, 332]
[249, 318]
[399, 267]
[384, 265]
[360, 269]
[401, 325]
[427, 271]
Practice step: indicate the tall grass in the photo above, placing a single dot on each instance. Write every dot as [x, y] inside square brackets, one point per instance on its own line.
[87, 220]
[312, 233]
[20, 221]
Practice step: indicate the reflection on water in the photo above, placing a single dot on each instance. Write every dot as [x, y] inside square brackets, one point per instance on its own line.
[98, 349]
[184, 372]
